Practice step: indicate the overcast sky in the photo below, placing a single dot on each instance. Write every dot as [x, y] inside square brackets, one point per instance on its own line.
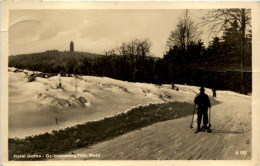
[93, 30]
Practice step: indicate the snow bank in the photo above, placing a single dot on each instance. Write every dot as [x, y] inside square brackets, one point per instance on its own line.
[86, 98]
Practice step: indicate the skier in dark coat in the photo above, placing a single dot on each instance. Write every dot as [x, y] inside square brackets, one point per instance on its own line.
[214, 92]
[203, 103]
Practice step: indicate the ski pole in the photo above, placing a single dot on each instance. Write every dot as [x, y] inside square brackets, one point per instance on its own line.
[192, 117]
[209, 118]
[209, 130]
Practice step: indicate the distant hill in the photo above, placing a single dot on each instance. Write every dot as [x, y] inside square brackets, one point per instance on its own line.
[51, 61]
[49, 53]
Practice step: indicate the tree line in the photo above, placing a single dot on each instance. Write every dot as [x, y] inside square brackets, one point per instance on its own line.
[224, 64]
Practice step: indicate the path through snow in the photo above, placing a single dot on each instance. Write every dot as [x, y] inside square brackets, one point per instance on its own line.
[173, 139]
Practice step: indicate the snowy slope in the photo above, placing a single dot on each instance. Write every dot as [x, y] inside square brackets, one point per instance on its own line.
[35, 106]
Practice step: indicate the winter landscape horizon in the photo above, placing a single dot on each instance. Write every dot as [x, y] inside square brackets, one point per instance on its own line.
[106, 84]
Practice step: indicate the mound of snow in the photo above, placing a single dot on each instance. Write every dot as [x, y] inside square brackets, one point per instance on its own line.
[53, 101]
[78, 101]
[11, 69]
[47, 99]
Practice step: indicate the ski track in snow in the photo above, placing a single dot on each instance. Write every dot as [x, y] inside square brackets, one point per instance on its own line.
[173, 139]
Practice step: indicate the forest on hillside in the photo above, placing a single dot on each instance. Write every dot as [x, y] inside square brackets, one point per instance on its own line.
[225, 64]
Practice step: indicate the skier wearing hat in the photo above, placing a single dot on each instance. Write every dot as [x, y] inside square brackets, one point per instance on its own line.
[203, 103]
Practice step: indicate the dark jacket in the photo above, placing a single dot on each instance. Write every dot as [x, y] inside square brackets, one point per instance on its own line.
[202, 100]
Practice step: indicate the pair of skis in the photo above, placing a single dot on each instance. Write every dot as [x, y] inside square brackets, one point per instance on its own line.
[191, 125]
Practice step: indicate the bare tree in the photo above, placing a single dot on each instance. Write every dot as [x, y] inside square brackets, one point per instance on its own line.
[185, 32]
[109, 52]
[142, 49]
[221, 19]
[136, 50]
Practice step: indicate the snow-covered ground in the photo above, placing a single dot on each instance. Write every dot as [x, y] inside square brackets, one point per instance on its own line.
[34, 107]
[230, 139]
